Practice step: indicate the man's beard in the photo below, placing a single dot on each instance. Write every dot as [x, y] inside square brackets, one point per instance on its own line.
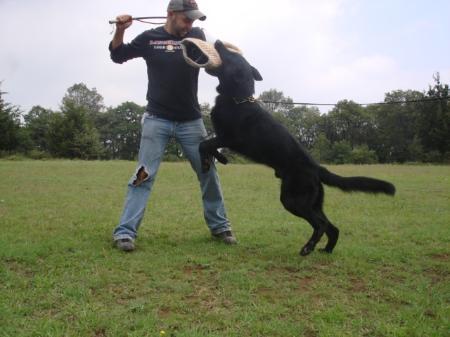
[181, 32]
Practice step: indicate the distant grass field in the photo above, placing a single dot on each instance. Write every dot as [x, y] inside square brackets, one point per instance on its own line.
[60, 276]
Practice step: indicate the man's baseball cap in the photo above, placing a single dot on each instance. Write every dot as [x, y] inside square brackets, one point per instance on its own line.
[188, 7]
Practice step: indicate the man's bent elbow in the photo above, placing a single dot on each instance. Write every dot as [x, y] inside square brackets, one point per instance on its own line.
[117, 59]
[115, 53]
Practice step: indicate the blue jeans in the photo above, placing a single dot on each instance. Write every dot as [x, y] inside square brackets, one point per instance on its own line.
[156, 132]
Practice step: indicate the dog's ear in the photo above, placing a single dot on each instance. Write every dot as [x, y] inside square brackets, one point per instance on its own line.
[219, 45]
[256, 75]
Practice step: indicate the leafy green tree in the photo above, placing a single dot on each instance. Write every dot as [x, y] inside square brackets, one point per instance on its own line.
[275, 102]
[304, 123]
[341, 152]
[120, 130]
[9, 126]
[72, 134]
[37, 126]
[206, 115]
[416, 151]
[348, 122]
[321, 150]
[434, 120]
[396, 125]
[79, 95]
[56, 135]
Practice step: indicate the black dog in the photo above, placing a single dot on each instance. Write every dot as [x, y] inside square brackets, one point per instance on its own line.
[241, 124]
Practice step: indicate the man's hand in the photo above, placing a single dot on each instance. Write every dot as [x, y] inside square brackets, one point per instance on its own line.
[123, 22]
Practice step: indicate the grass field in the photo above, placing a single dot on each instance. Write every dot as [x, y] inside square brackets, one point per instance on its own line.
[60, 276]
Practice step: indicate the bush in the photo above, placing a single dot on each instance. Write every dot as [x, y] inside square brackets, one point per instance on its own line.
[433, 157]
[15, 157]
[172, 157]
[321, 150]
[38, 155]
[341, 153]
[362, 155]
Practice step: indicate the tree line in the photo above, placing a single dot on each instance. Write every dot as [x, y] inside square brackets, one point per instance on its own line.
[410, 126]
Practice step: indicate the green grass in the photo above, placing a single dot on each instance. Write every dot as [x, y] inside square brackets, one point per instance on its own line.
[60, 276]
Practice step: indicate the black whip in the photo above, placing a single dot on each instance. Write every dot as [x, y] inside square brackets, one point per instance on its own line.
[143, 18]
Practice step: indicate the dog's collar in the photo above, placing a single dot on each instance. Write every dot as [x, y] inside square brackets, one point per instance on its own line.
[249, 99]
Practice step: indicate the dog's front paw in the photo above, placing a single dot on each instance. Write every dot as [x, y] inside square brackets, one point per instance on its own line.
[307, 249]
[221, 158]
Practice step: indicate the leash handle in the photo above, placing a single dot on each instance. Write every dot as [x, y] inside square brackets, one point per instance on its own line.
[111, 22]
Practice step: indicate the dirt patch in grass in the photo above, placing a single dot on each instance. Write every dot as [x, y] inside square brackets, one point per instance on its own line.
[195, 268]
[392, 273]
[437, 274]
[18, 268]
[289, 271]
[444, 257]
[164, 312]
[310, 333]
[357, 285]
[305, 283]
[100, 333]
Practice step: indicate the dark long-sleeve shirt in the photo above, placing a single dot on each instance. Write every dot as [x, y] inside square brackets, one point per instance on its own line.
[172, 83]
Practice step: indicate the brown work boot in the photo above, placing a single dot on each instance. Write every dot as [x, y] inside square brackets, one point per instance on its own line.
[226, 237]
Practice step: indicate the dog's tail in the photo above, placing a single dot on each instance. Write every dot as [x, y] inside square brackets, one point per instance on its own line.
[349, 184]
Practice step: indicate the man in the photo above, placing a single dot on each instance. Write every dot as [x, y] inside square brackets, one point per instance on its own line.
[172, 111]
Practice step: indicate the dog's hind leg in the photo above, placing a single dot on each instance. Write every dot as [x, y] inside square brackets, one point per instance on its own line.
[320, 227]
[330, 230]
[332, 233]
[299, 200]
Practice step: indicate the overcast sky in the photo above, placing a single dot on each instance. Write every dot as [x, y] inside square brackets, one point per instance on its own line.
[314, 51]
